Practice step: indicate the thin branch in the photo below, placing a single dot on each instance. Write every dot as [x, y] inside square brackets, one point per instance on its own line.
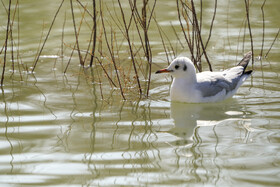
[183, 29]
[36, 61]
[249, 27]
[87, 11]
[6, 43]
[212, 23]
[110, 51]
[94, 32]
[107, 75]
[76, 35]
[273, 42]
[130, 49]
[200, 38]
[263, 27]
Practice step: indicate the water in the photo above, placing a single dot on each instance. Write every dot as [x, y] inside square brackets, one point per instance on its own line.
[55, 130]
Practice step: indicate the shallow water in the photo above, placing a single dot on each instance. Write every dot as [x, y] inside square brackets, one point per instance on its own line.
[56, 130]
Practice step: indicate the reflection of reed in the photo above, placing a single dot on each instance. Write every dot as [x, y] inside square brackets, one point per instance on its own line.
[6, 129]
[45, 98]
[66, 133]
[89, 156]
[129, 148]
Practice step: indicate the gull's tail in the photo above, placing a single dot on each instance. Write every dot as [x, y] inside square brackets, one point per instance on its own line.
[245, 61]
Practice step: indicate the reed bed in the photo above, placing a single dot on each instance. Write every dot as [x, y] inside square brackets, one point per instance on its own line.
[134, 22]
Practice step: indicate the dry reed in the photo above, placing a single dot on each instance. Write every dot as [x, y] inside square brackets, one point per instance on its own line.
[133, 23]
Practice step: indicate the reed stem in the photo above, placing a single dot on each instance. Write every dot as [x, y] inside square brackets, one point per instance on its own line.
[249, 27]
[47, 36]
[6, 44]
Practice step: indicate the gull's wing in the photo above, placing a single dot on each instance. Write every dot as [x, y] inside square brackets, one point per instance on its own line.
[211, 83]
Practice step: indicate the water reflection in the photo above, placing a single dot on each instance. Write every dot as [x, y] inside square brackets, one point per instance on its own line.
[6, 131]
[187, 117]
[205, 131]
[107, 140]
[71, 130]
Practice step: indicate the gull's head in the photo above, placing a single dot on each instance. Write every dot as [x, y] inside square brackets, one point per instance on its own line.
[181, 67]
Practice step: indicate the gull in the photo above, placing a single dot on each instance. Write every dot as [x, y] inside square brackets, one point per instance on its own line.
[191, 87]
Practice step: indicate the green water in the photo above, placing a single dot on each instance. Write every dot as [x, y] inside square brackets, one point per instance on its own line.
[56, 130]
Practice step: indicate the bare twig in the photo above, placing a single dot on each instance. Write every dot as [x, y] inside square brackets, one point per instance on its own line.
[94, 32]
[147, 42]
[263, 27]
[130, 49]
[47, 36]
[212, 23]
[272, 43]
[144, 22]
[177, 37]
[107, 75]
[87, 11]
[76, 35]
[18, 41]
[40, 41]
[110, 51]
[200, 38]
[184, 32]
[74, 48]
[12, 38]
[249, 27]
[62, 37]
[6, 43]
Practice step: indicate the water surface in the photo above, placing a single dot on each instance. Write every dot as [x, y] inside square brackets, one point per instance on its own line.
[55, 128]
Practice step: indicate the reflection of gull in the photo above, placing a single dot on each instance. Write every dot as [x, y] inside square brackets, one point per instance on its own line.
[202, 87]
[188, 116]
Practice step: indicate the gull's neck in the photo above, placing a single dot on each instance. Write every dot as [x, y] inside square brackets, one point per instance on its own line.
[190, 79]
[183, 89]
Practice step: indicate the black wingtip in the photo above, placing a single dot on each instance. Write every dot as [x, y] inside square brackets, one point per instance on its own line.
[248, 72]
[246, 59]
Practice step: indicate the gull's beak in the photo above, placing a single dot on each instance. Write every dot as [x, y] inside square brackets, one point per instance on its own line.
[163, 71]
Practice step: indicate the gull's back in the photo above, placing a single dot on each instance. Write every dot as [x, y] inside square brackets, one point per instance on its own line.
[222, 85]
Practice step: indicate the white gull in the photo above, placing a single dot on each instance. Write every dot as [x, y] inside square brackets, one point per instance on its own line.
[191, 87]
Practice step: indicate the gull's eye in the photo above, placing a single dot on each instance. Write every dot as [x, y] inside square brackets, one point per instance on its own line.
[177, 66]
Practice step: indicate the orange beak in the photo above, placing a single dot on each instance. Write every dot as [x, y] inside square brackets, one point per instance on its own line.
[163, 71]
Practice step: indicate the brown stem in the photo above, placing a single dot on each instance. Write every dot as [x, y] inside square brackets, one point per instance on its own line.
[110, 51]
[212, 23]
[249, 27]
[94, 33]
[263, 27]
[76, 35]
[6, 43]
[199, 36]
[183, 30]
[273, 42]
[130, 49]
[39, 54]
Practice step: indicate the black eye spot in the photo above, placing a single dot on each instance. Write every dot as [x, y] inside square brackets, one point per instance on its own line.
[185, 68]
[177, 66]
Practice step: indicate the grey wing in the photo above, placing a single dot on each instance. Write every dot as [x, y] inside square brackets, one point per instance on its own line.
[211, 83]
[213, 86]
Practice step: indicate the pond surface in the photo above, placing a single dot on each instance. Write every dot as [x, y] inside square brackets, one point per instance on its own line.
[56, 130]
